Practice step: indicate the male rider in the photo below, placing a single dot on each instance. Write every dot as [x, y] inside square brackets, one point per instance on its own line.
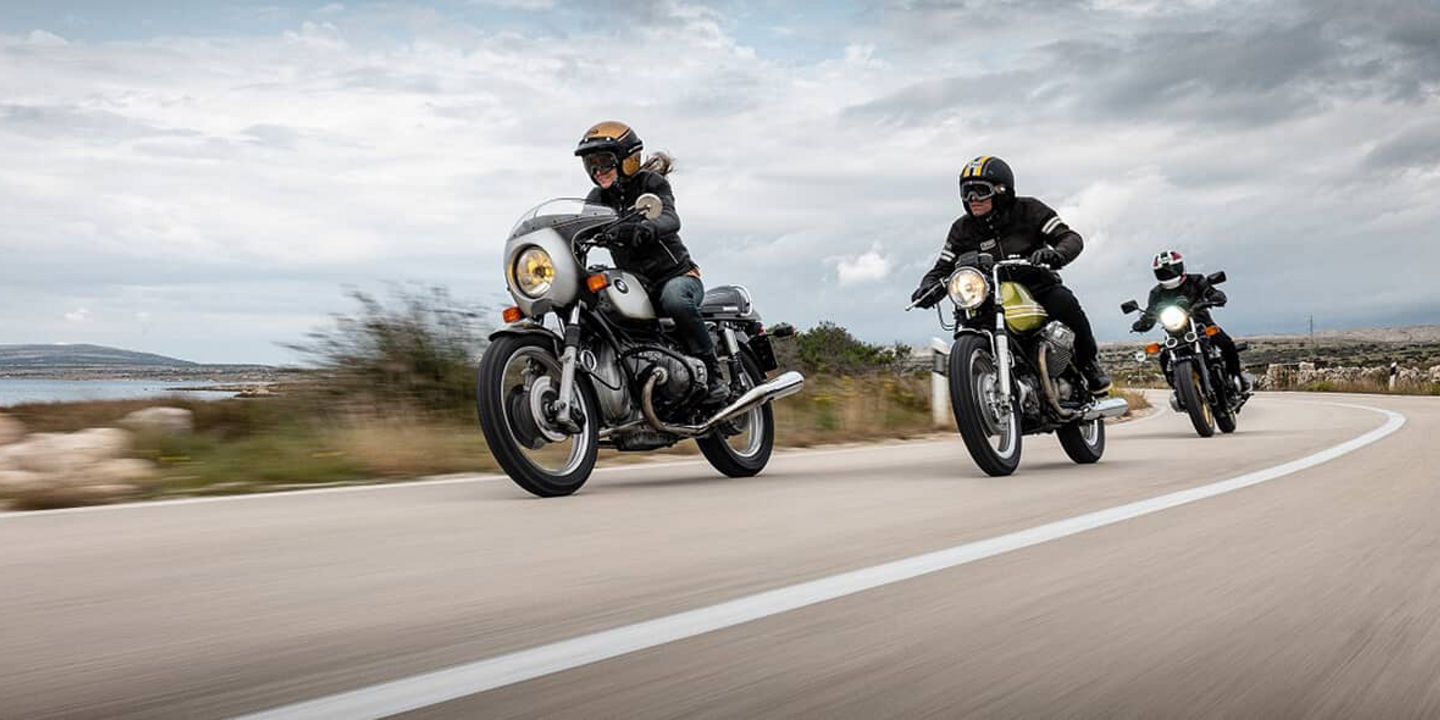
[998, 222]
[1178, 288]
[610, 152]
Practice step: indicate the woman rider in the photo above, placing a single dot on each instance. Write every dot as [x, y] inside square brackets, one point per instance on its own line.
[610, 152]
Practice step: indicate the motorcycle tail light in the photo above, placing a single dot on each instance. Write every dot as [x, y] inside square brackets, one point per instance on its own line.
[512, 314]
[1212, 331]
[597, 282]
[1152, 348]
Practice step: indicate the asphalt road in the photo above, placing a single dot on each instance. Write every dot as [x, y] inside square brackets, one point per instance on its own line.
[1302, 589]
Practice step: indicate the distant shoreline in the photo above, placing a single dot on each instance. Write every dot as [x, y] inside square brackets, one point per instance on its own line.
[217, 374]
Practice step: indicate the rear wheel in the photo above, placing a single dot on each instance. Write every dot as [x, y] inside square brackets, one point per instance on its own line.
[987, 422]
[1187, 385]
[743, 449]
[1083, 441]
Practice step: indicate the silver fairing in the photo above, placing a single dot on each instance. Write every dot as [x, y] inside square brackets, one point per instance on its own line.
[566, 285]
[628, 297]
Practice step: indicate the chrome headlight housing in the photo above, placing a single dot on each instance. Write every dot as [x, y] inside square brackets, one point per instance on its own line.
[1174, 318]
[533, 272]
[968, 288]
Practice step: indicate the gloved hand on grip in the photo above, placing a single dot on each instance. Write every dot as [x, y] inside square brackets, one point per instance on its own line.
[927, 296]
[1048, 257]
[1141, 325]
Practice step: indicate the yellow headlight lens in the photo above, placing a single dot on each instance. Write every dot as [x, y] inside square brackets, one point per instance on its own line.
[1173, 318]
[534, 271]
[968, 288]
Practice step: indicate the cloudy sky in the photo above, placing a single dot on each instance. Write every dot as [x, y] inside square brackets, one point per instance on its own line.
[203, 179]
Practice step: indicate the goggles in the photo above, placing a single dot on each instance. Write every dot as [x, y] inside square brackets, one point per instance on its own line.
[602, 162]
[972, 191]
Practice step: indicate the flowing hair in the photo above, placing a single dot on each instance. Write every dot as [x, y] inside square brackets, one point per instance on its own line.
[659, 162]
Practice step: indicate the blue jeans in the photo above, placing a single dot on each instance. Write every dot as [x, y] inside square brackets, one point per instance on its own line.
[679, 299]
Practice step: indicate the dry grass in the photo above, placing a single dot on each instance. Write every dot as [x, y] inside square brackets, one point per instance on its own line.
[845, 409]
[406, 448]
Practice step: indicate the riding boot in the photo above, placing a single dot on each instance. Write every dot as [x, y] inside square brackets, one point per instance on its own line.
[716, 390]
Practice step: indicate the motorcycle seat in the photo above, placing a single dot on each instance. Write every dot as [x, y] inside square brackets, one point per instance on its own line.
[727, 301]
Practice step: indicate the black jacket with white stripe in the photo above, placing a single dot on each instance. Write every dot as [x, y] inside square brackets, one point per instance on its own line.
[1026, 226]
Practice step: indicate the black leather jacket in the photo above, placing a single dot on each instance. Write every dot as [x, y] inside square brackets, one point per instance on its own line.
[662, 258]
[1021, 229]
[1194, 289]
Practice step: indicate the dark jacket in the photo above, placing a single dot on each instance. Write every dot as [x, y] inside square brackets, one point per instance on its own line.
[1194, 289]
[661, 258]
[1019, 230]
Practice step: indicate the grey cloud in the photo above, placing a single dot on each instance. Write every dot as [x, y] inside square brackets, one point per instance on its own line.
[1414, 147]
[69, 121]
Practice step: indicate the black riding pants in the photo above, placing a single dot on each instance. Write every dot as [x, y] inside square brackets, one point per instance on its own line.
[1062, 305]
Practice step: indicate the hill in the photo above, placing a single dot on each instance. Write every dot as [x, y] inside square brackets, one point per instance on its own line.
[82, 356]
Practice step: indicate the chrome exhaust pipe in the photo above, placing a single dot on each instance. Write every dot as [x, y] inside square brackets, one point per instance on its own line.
[775, 388]
[1109, 407]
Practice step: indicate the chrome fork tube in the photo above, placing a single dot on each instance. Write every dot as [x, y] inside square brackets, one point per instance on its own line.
[1002, 344]
[567, 370]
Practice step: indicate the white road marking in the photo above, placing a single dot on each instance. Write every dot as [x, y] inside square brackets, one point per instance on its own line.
[424, 690]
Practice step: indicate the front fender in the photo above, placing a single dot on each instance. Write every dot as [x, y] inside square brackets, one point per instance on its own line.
[529, 327]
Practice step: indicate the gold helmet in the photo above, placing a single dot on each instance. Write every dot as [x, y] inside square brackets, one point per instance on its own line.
[610, 144]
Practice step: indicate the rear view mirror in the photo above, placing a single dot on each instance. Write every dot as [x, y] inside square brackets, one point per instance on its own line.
[649, 205]
[1129, 306]
[1216, 277]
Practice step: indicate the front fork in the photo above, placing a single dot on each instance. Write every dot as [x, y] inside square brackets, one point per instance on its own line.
[1002, 348]
[565, 417]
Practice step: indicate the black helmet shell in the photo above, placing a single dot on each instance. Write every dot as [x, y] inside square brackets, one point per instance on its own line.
[991, 169]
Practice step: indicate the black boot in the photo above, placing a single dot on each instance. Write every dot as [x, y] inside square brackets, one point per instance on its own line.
[716, 390]
[1096, 378]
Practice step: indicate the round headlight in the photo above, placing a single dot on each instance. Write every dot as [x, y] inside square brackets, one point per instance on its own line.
[534, 271]
[1173, 318]
[968, 288]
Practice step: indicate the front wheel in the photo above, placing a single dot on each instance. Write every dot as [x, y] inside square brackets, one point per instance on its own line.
[743, 449]
[1083, 441]
[988, 423]
[519, 381]
[1187, 386]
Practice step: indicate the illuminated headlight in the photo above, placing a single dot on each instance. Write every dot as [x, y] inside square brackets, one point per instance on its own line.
[1173, 318]
[968, 289]
[533, 272]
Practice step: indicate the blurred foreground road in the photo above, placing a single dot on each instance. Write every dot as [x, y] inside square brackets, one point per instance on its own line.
[1312, 594]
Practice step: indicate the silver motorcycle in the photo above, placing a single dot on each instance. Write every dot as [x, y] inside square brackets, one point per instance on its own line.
[584, 361]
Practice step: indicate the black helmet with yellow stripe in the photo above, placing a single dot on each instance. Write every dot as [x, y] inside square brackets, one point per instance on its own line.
[985, 177]
[610, 144]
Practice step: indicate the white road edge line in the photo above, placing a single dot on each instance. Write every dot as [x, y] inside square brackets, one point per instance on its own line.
[433, 688]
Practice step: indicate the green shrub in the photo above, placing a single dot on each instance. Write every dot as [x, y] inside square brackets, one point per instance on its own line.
[418, 349]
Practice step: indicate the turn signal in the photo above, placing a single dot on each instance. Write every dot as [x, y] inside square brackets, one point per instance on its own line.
[1152, 348]
[1212, 330]
[512, 314]
[597, 282]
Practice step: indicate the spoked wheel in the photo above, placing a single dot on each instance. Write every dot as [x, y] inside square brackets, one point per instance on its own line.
[1084, 442]
[988, 422]
[519, 383]
[1187, 385]
[743, 448]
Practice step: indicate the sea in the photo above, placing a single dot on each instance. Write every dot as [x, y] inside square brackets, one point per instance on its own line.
[18, 391]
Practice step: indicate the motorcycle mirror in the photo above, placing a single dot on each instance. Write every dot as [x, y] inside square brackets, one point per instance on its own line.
[1129, 306]
[649, 205]
[1216, 277]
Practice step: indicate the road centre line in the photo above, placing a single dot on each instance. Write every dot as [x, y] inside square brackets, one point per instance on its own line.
[432, 688]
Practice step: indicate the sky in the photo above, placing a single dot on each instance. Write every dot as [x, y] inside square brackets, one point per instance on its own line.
[205, 179]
